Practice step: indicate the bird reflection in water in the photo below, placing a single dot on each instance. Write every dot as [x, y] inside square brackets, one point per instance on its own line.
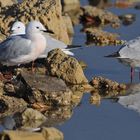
[132, 98]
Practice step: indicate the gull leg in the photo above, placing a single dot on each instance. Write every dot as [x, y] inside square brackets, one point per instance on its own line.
[132, 74]
[33, 69]
[139, 75]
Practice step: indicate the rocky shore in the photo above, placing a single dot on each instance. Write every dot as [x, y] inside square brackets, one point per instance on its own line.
[47, 96]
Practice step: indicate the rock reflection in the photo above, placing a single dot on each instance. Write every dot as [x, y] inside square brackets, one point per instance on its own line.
[99, 3]
[57, 116]
[31, 119]
[132, 99]
[95, 98]
[127, 19]
[125, 3]
[76, 98]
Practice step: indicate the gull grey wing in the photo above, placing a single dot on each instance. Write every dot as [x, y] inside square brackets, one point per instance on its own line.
[129, 53]
[135, 44]
[14, 47]
[53, 43]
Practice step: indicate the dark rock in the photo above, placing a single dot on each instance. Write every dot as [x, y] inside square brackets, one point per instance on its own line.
[102, 38]
[47, 89]
[95, 16]
[106, 87]
[12, 105]
[58, 115]
[128, 19]
[137, 6]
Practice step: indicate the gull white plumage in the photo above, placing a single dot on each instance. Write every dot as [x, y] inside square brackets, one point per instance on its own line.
[20, 49]
[18, 28]
[52, 43]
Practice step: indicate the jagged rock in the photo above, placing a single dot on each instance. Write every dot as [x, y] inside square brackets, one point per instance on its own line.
[95, 98]
[58, 115]
[95, 16]
[99, 3]
[46, 89]
[106, 87]
[127, 19]
[101, 82]
[83, 64]
[45, 134]
[52, 134]
[36, 88]
[69, 5]
[47, 11]
[71, 2]
[69, 25]
[10, 105]
[1, 88]
[77, 97]
[102, 38]
[124, 4]
[4, 3]
[67, 68]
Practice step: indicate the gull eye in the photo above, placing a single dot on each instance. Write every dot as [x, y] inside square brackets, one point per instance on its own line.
[37, 27]
[18, 27]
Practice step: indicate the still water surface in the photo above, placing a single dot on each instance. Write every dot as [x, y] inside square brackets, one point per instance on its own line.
[109, 121]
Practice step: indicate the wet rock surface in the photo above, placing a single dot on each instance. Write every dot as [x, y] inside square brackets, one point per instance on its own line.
[95, 98]
[40, 88]
[57, 116]
[102, 38]
[65, 67]
[127, 19]
[45, 134]
[94, 20]
[106, 87]
[46, 11]
[4, 3]
[41, 91]
[10, 105]
[96, 16]
[70, 5]
[32, 100]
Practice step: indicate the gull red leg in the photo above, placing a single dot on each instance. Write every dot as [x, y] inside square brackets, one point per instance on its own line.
[33, 69]
[139, 75]
[132, 74]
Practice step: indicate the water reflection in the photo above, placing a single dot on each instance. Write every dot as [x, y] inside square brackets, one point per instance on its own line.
[31, 119]
[132, 99]
[98, 3]
[127, 19]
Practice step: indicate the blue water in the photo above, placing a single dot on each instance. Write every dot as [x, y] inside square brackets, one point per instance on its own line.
[109, 121]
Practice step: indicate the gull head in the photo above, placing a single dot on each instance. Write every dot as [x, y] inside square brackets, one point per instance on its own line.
[34, 27]
[18, 28]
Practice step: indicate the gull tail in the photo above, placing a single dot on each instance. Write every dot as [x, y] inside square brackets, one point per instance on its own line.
[68, 52]
[116, 54]
[73, 46]
[70, 48]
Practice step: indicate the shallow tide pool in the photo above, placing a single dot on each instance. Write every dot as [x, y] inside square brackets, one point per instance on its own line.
[109, 120]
